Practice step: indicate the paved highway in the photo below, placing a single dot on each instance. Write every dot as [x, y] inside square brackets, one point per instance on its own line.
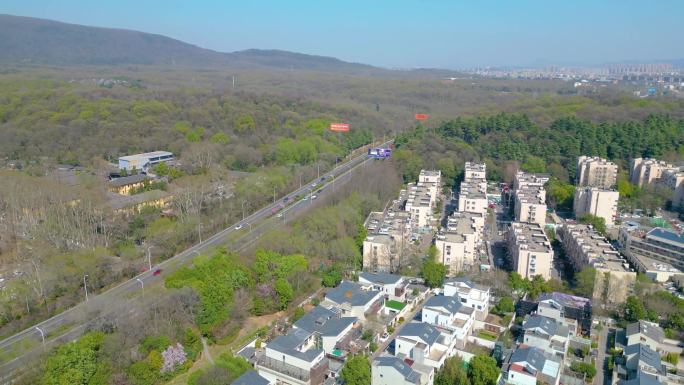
[20, 348]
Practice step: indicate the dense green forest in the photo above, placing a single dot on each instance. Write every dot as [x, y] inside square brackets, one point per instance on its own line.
[508, 141]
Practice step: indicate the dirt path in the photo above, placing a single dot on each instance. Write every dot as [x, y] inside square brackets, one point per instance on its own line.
[207, 353]
[256, 322]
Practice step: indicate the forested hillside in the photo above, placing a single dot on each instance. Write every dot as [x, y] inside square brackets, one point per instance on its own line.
[505, 140]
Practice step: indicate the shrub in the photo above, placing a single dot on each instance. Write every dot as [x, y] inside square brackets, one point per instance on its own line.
[585, 368]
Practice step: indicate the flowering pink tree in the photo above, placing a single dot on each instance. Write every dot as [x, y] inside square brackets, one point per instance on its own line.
[173, 356]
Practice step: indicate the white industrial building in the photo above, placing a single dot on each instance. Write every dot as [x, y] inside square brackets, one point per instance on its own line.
[142, 162]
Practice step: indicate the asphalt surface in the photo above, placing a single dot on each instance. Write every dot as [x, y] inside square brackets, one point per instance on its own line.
[18, 350]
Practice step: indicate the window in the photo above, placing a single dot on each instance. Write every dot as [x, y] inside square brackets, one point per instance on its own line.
[463, 300]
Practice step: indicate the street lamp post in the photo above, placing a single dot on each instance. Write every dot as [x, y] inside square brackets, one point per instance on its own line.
[42, 334]
[243, 210]
[142, 285]
[85, 286]
[149, 258]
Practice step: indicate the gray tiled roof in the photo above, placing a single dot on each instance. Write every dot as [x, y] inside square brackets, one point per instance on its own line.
[646, 328]
[126, 180]
[409, 374]
[315, 319]
[667, 235]
[380, 278]
[452, 304]
[335, 326]
[352, 293]
[426, 332]
[289, 343]
[641, 379]
[646, 355]
[250, 378]
[548, 325]
[566, 300]
[533, 356]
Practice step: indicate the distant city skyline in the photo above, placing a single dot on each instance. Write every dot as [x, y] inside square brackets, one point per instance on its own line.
[402, 33]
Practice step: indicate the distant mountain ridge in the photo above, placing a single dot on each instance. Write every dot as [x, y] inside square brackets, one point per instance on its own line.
[47, 42]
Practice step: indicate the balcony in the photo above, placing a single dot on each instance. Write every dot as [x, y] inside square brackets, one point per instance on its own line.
[314, 376]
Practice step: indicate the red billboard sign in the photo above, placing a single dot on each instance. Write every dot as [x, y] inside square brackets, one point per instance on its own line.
[339, 127]
[422, 116]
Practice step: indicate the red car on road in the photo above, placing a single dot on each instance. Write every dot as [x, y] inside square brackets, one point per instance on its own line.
[157, 272]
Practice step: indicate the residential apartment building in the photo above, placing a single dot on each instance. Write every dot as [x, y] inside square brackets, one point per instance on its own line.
[646, 171]
[457, 243]
[379, 252]
[654, 172]
[529, 249]
[523, 179]
[449, 313]
[470, 294]
[674, 181]
[390, 370]
[657, 252]
[472, 196]
[419, 203]
[474, 170]
[388, 236]
[546, 334]
[293, 359]
[584, 246]
[596, 172]
[529, 365]
[433, 179]
[598, 202]
[614, 281]
[530, 205]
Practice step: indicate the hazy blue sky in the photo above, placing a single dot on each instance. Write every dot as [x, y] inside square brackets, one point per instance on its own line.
[400, 33]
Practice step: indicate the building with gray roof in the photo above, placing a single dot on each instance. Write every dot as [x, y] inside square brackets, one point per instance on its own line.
[426, 332]
[251, 377]
[546, 334]
[642, 357]
[353, 300]
[389, 370]
[529, 364]
[641, 378]
[450, 304]
[644, 332]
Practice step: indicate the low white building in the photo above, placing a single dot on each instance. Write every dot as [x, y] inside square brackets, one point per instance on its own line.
[530, 366]
[293, 359]
[546, 334]
[392, 286]
[143, 162]
[469, 294]
[390, 370]
[424, 343]
[448, 313]
[354, 300]
[328, 327]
